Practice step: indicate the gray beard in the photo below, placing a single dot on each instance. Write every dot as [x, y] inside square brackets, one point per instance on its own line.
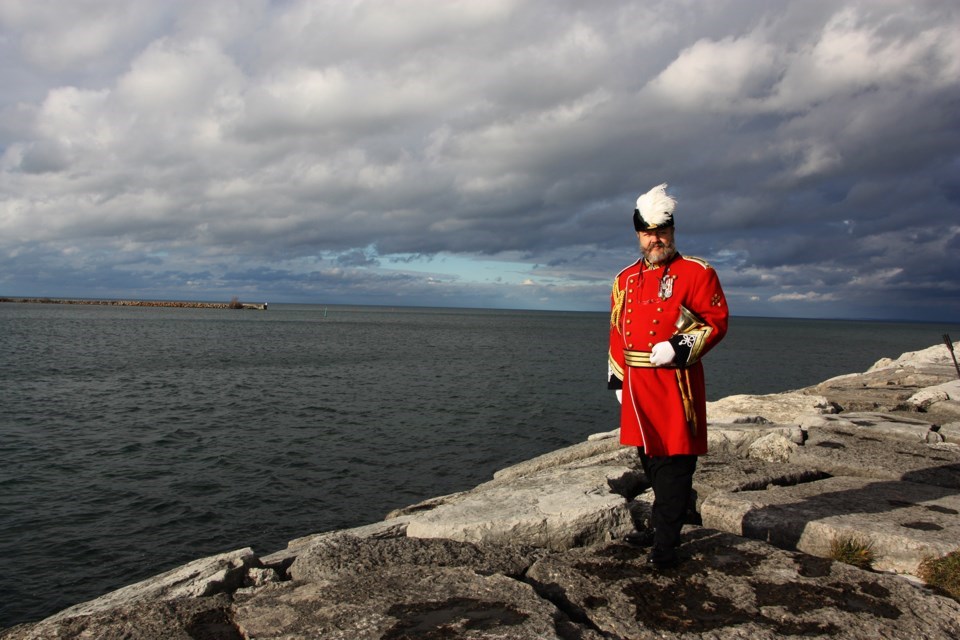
[659, 255]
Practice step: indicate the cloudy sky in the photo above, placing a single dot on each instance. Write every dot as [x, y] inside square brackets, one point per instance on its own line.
[480, 153]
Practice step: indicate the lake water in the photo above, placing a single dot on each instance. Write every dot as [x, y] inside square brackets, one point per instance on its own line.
[135, 439]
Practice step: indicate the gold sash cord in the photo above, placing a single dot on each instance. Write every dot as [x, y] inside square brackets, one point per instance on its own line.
[683, 381]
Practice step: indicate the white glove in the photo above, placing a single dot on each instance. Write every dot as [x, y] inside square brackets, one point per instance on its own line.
[620, 396]
[662, 354]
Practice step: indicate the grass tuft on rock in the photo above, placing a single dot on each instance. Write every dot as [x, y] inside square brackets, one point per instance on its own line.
[943, 573]
[853, 550]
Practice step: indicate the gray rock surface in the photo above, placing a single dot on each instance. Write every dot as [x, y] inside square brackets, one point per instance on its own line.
[554, 508]
[779, 408]
[732, 587]
[182, 618]
[724, 472]
[398, 601]
[342, 555]
[204, 577]
[904, 521]
[534, 552]
[738, 438]
[393, 527]
[729, 587]
[866, 453]
[889, 384]
[905, 426]
[597, 449]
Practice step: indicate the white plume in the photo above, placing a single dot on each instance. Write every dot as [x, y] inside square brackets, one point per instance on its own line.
[655, 206]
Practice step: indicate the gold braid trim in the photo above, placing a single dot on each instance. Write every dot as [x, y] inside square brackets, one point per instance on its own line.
[618, 296]
[699, 342]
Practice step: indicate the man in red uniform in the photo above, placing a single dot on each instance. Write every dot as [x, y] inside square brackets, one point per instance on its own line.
[667, 311]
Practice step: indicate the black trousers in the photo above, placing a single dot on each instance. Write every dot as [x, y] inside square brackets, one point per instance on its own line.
[672, 480]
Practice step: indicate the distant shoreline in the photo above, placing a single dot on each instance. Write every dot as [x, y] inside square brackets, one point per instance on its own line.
[262, 306]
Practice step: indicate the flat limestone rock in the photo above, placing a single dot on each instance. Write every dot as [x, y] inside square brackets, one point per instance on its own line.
[392, 528]
[601, 450]
[937, 393]
[731, 587]
[904, 521]
[555, 508]
[779, 408]
[944, 411]
[725, 472]
[348, 555]
[203, 577]
[891, 385]
[883, 390]
[936, 359]
[915, 427]
[184, 618]
[401, 601]
[872, 453]
[739, 438]
[403, 513]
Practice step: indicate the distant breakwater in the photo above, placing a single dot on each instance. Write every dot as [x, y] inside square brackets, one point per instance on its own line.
[234, 304]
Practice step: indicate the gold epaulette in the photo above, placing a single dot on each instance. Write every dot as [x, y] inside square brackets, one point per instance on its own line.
[700, 261]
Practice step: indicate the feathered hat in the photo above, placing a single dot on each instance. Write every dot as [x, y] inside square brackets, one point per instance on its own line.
[654, 210]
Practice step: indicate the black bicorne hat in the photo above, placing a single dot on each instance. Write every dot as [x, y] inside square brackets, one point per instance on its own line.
[654, 210]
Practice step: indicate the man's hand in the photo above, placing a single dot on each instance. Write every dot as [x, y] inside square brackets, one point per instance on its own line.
[662, 354]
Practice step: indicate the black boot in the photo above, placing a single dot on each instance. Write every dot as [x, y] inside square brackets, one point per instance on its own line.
[641, 539]
[661, 560]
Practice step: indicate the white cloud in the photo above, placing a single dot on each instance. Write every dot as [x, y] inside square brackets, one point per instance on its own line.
[809, 296]
[193, 137]
[877, 279]
[59, 36]
[74, 117]
[855, 53]
[730, 74]
[179, 78]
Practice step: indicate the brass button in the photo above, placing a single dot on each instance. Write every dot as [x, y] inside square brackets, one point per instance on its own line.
[660, 309]
[629, 321]
[653, 333]
[655, 321]
[630, 346]
[628, 333]
[629, 310]
[649, 344]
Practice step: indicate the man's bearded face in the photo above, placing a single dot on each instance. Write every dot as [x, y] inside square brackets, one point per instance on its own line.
[657, 245]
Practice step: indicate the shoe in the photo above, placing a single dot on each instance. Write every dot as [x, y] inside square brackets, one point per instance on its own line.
[645, 538]
[663, 562]
[639, 538]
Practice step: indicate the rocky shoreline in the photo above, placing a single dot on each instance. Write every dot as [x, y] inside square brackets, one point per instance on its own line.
[536, 552]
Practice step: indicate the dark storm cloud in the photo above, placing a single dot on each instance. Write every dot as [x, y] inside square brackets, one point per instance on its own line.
[313, 149]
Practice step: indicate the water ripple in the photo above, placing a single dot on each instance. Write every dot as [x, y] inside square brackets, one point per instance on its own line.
[136, 439]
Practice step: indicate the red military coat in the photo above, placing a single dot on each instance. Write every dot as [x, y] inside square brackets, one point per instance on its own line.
[645, 304]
